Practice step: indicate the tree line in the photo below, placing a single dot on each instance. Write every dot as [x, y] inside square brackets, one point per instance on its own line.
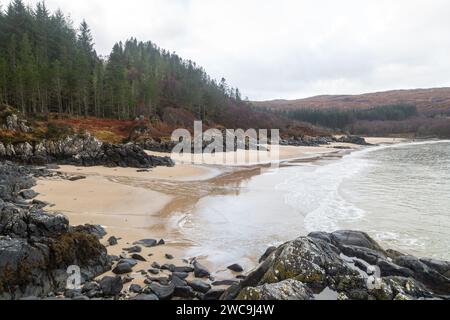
[342, 119]
[48, 65]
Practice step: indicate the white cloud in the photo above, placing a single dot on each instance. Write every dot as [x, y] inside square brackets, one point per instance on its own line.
[283, 48]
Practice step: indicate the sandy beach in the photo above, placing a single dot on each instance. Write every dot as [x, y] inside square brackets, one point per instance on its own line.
[133, 205]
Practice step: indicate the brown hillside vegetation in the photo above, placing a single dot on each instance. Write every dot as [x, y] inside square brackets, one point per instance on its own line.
[56, 125]
[427, 101]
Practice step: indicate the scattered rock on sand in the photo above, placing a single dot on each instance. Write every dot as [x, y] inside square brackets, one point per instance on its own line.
[153, 271]
[236, 268]
[166, 266]
[163, 292]
[200, 271]
[111, 286]
[213, 294]
[122, 268]
[169, 256]
[135, 288]
[134, 249]
[181, 275]
[185, 269]
[148, 243]
[76, 178]
[199, 285]
[131, 262]
[112, 241]
[184, 292]
[138, 257]
[127, 279]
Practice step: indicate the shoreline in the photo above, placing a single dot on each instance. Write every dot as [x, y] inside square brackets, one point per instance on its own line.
[139, 205]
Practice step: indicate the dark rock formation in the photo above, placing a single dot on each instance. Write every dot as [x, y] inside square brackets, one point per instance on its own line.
[236, 268]
[346, 263]
[284, 290]
[148, 243]
[36, 248]
[111, 286]
[81, 150]
[122, 268]
[306, 141]
[199, 285]
[353, 140]
[200, 271]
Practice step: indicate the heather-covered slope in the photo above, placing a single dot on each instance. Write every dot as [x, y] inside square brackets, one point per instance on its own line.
[427, 101]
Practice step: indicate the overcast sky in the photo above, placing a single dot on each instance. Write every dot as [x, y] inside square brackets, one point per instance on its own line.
[287, 48]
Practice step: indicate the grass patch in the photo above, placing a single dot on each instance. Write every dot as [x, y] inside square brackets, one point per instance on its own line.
[108, 136]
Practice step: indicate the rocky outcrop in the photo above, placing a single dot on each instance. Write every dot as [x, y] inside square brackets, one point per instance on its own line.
[320, 141]
[13, 123]
[36, 248]
[348, 263]
[285, 290]
[306, 141]
[81, 150]
[352, 139]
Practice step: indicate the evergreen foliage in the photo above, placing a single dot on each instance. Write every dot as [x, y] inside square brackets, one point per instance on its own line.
[46, 65]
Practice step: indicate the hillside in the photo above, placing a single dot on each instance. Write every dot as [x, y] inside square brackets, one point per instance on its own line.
[427, 101]
[50, 70]
[419, 113]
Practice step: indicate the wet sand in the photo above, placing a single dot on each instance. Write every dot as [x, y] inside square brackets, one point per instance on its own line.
[134, 205]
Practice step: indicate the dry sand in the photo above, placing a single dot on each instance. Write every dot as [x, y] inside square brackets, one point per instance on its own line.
[134, 205]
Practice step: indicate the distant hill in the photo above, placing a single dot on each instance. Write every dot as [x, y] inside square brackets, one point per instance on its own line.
[427, 101]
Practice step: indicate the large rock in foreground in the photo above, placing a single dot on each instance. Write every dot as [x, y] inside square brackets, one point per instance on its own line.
[347, 264]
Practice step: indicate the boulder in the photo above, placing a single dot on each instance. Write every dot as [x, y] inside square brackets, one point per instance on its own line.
[235, 267]
[355, 239]
[200, 271]
[145, 297]
[146, 243]
[133, 249]
[184, 269]
[135, 288]
[111, 286]
[285, 290]
[138, 257]
[28, 194]
[390, 269]
[153, 271]
[431, 278]
[122, 268]
[112, 241]
[199, 285]
[213, 294]
[184, 292]
[163, 292]
[311, 261]
[267, 253]
[442, 267]
[340, 262]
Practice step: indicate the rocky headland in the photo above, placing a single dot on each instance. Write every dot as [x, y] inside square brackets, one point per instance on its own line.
[25, 144]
